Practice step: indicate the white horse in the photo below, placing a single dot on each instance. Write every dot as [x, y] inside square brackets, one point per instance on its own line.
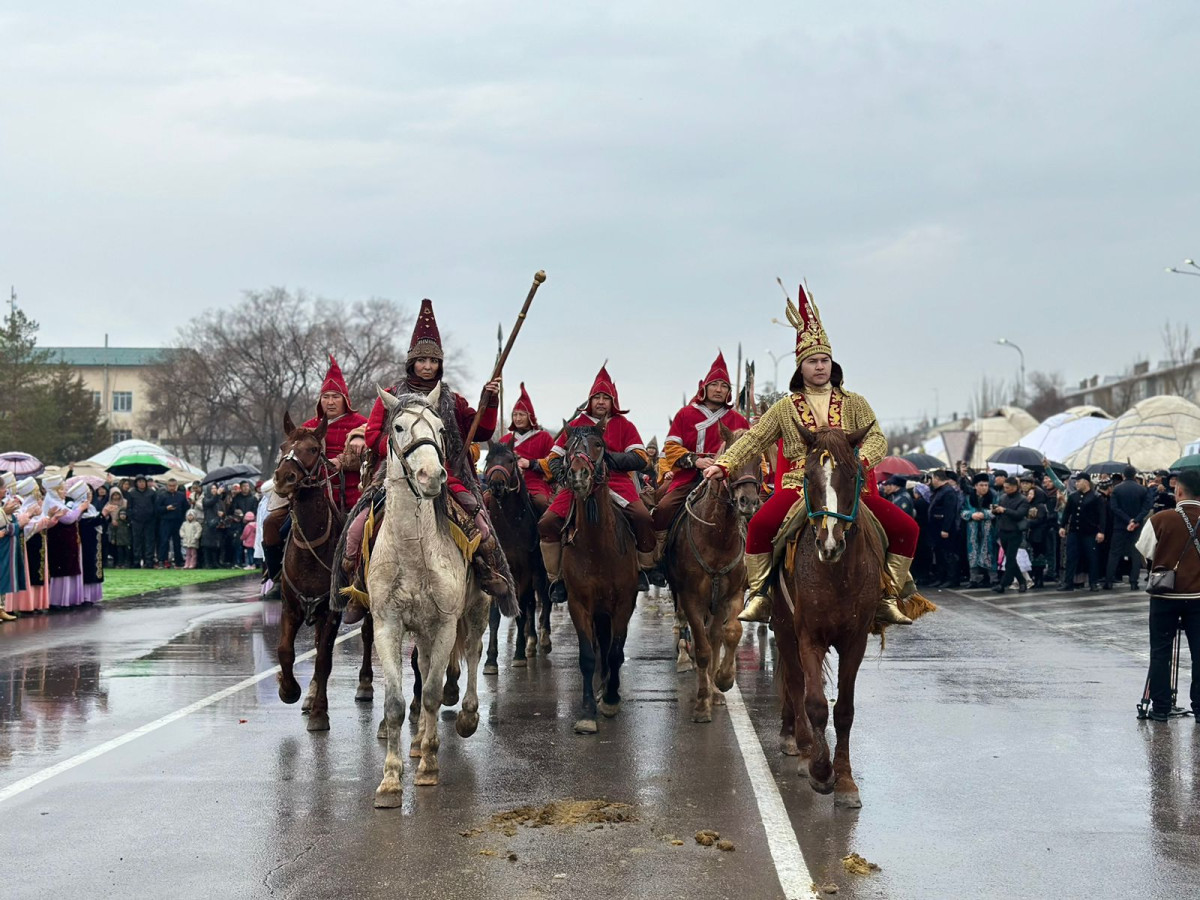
[420, 582]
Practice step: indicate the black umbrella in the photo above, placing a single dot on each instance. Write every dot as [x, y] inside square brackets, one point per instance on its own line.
[236, 472]
[923, 461]
[1110, 467]
[1017, 456]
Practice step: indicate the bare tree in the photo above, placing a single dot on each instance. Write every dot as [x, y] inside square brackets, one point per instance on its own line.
[990, 393]
[1045, 398]
[1179, 373]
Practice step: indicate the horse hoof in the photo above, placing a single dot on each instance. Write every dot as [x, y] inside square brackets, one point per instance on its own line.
[291, 694]
[545, 643]
[788, 745]
[821, 787]
[608, 710]
[414, 750]
[365, 693]
[702, 716]
[684, 665]
[466, 723]
[718, 699]
[723, 682]
[381, 734]
[450, 693]
[414, 708]
[847, 800]
[318, 722]
[426, 779]
[586, 726]
[306, 706]
[519, 663]
[531, 647]
[491, 669]
[388, 799]
[802, 766]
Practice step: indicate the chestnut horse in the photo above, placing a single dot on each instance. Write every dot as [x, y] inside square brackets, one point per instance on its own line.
[515, 521]
[826, 598]
[303, 476]
[705, 568]
[600, 571]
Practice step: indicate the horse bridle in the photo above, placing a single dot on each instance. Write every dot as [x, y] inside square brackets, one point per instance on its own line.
[403, 453]
[825, 512]
[596, 466]
[512, 477]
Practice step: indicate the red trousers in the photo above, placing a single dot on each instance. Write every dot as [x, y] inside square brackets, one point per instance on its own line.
[901, 530]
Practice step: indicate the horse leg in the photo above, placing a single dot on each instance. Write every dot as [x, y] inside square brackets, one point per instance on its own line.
[581, 617]
[529, 619]
[415, 660]
[327, 625]
[795, 733]
[309, 696]
[440, 652]
[521, 650]
[730, 635]
[845, 791]
[604, 640]
[542, 596]
[366, 690]
[289, 688]
[702, 646]
[450, 686]
[467, 720]
[616, 658]
[682, 633]
[391, 658]
[490, 666]
[787, 717]
[820, 769]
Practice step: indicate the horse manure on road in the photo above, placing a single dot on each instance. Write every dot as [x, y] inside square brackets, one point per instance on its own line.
[563, 812]
[856, 865]
[707, 837]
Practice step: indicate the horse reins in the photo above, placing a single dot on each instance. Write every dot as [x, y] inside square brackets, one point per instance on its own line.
[825, 512]
[402, 453]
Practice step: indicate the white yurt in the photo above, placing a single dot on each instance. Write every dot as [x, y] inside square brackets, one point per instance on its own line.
[1063, 434]
[998, 429]
[1152, 435]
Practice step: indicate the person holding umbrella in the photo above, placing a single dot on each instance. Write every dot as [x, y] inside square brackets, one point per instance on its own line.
[140, 506]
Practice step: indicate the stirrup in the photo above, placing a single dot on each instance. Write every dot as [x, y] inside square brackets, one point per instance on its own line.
[888, 612]
[758, 609]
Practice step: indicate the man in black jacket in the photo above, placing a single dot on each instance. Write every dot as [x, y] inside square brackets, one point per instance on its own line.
[896, 490]
[1038, 534]
[943, 522]
[1010, 512]
[140, 508]
[1083, 523]
[171, 506]
[1129, 504]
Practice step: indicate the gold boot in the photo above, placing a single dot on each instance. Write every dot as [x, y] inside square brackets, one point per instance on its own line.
[758, 609]
[888, 610]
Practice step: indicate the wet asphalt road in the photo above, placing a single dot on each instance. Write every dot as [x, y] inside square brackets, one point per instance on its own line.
[995, 747]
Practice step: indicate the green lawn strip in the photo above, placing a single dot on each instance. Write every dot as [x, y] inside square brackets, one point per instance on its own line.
[120, 583]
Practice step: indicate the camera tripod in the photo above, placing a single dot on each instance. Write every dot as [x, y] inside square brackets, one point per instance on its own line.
[1177, 712]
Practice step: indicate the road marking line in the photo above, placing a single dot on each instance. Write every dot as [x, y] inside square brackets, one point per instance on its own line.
[793, 873]
[31, 781]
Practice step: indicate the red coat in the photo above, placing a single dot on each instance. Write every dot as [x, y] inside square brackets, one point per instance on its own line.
[463, 416]
[696, 429]
[533, 445]
[335, 443]
[620, 436]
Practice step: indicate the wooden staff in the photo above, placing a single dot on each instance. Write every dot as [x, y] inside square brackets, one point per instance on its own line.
[512, 337]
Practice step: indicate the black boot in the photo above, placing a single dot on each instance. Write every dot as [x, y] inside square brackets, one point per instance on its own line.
[1039, 578]
[273, 562]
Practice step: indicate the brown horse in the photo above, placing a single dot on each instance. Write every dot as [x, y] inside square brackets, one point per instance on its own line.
[827, 598]
[515, 521]
[600, 571]
[705, 569]
[303, 476]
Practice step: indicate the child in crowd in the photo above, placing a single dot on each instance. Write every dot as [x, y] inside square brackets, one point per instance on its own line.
[189, 537]
[248, 542]
[120, 534]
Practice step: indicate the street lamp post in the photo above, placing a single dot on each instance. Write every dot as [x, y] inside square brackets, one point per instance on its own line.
[1005, 342]
[1186, 262]
[775, 360]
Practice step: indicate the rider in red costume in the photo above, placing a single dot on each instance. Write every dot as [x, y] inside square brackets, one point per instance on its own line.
[531, 443]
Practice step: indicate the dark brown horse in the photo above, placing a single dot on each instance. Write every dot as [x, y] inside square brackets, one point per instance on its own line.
[827, 598]
[600, 571]
[515, 521]
[705, 568]
[303, 476]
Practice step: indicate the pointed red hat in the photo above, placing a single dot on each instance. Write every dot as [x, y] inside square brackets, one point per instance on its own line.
[335, 382]
[605, 385]
[426, 339]
[525, 404]
[718, 372]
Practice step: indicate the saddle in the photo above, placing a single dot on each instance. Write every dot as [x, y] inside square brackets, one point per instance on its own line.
[570, 527]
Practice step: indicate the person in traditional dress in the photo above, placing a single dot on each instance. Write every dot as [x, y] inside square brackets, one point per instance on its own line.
[62, 541]
[694, 442]
[35, 597]
[344, 445]
[12, 548]
[626, 457]
[816, 399]
[531, 443]
[978, 516]
[423, 373]
[91, 543]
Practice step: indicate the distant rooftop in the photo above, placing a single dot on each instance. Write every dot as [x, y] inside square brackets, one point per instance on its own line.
[106, 356]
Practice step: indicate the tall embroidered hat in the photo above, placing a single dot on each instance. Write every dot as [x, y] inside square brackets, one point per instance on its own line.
[811, 338]
[426, 339]
[335, 383]
[717, 372]
[526, 405]
[605, 385]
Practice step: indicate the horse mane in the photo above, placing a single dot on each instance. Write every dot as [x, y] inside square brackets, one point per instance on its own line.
[834, 442]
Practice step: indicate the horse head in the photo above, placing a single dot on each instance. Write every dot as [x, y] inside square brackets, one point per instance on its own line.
[501, 474]
[303, 452]
[745, 483]
[416, 437]
[833, 482]
[585, 459]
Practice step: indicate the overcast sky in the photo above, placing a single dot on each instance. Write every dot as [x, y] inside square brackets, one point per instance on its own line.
[942, 174]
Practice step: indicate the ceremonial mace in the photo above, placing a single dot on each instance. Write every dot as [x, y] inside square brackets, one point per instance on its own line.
[512, 337]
